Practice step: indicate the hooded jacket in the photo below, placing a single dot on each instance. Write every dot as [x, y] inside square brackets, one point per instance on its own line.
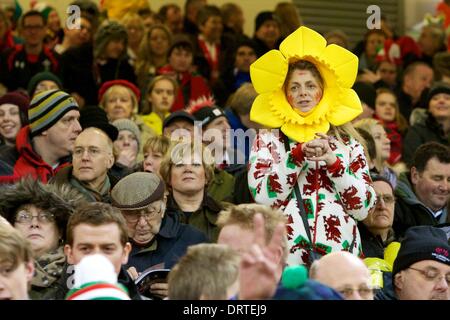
[28, 162]
[204, 219]
[409, 210]
[420, 133]
[169, 245]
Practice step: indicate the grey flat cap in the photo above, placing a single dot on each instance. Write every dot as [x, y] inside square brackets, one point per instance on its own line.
[137, 190]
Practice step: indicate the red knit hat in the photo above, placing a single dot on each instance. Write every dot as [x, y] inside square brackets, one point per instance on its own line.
[120, 82]
[16, 98]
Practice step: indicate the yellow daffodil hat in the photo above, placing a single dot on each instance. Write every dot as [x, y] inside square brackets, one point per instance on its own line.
[338, 67]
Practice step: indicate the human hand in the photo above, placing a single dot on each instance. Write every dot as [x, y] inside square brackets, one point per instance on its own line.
[369, 76]
[134, 274]
[258, 278]
[160, 289]
[127, 157]
[319, 149]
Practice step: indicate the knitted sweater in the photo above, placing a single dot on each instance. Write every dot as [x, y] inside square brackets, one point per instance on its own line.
[333, 196]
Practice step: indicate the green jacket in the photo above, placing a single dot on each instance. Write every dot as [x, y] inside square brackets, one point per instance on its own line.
[48, 270]
[222, 186]
[204, 219]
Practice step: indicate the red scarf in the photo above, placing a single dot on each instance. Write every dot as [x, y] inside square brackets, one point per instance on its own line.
[394, 135]
[213, 64]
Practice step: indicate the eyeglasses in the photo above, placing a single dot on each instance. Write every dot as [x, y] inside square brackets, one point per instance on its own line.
[387, 199]
[33, 27]
[433, 275]
[148, 213]
[24, 217]
[364, 292]
[78, 152]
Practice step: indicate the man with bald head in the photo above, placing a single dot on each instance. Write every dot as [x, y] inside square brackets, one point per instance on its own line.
[345, 273]
[92, 158]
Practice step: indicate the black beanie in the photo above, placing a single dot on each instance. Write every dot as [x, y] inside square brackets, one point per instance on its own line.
[422, 243]
[263, 17]
[94, 116]
[438, 87]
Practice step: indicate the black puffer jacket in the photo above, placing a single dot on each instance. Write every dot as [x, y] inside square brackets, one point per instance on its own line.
[422, 132]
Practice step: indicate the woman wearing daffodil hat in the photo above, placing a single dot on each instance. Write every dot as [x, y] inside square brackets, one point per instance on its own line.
[305, 91]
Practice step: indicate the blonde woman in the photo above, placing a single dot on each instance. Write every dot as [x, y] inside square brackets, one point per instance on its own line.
[382, 146]
[188, 169]
[135, 30]
[152, 54]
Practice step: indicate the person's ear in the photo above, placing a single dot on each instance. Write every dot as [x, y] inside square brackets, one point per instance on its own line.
[414, 175]
[126, 253]
[278, 255]
[29, 268]
[398, 281]
[110, 160]
[69, 254]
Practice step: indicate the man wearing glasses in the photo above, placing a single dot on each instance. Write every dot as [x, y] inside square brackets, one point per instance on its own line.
[345, 273]
[21, 63]
[91, 159]
[422, 268]
[157, 237]
[376, 229]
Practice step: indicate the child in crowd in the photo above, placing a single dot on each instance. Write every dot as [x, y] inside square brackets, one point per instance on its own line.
[160, 98]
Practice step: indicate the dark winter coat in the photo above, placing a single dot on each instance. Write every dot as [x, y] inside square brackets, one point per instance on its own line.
[169, 245]
[405, 102]
[80, 74]
[410, 211]
[372, 245]
[204, 219]
[16, 68]
[420, 133]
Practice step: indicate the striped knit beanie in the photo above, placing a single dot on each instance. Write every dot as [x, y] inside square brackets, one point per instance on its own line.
[96, 279]
[47, 108]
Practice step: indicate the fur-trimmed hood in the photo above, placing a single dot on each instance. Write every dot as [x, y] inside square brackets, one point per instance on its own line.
[60, 201]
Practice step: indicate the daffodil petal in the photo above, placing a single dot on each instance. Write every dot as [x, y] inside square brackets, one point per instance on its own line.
[344, 63]
[303, 42]
[269, 71]
[346, 108]
[283, 109]
[306, 132]
[261, 112]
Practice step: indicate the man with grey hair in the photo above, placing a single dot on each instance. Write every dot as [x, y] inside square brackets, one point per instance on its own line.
[157, 237]
[345, 273]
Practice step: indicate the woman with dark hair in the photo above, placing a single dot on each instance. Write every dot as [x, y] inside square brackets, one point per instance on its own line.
[40, 212]
[13, 116]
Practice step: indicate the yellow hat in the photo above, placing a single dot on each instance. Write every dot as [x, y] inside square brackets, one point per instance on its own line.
[338, 67]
